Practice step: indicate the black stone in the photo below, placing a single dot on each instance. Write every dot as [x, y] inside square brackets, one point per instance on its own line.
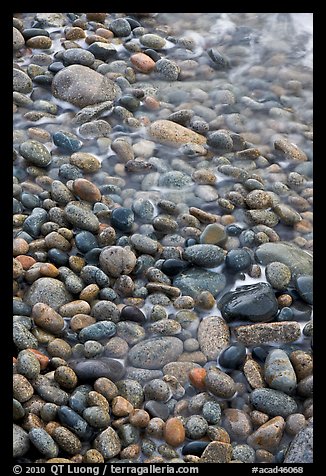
[122, 219]
[237, 260]
[74, 422]
[30, 201]
[92, 256]
[220, 61]
[85, 241]
[301, 311]
[157, 409]
[195, 448]
[132, 313]
[260, 353]
[172, 267]
[31, 32]
[92, 369]
[33, 223]
[285, 314]
[152, 54]
[133, 23]
[233, 356]
[129, 102]
[304, 286]
[43, 80]
[55, 67]
[58, 257]
[254, 302]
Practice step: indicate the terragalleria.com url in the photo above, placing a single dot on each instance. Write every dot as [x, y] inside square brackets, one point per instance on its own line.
[110, 469]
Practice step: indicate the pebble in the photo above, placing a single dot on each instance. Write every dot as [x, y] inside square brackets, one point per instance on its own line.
[22, 389]
[305, 386]
[122, 219]
[74, 422]
[78, 56]
[86, 190]
[108, 443]
[167, 69]
[261, 333]
[28, 365]
[36, 153]
[195, 280]
[299, 261]
[220, 140]
[255, 302]
[212, 412]
[304, 286]
[142, 62]
[53, 394]
[262, 217]
[144, 244]
[116, 260]
[96, 417]
[155, 353]
[278, 275]
[102, 50]
[47, 318]
[213, 335]
[286, 214]
[131, 332]
[302, 363]
[39, 42]
[66, 440]
[81, 86]
[132, 313]
[207, 256]
[91, 369]
[233, 357]
[273, 402]
[237, 423]
[195, 427]
[81, 217]
[170, 133]
[258, 199]
[18, 40]
[85, 161]
[295, 423]
[300, 449]
[21, 82]
[278, 371]
[132, 391]
[98, 331]
[156, 410]
[180, 370]
[106, 387]
[121, 407]
[67, 141]
[43, 442]
[217, 452]
[139, 418]
[254, 373]
[65, 377]
[219, 383]
[268, 435]
[157, 390]
[238, 260]
[290, 150]
[21, 442]
[244, 453]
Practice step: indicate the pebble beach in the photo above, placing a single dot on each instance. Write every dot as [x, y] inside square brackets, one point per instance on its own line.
[162, 238]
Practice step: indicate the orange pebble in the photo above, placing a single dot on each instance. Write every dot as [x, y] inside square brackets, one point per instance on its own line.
[142, 62]
[197, 378]
[25, 261]
[14, 360]
[43, 359]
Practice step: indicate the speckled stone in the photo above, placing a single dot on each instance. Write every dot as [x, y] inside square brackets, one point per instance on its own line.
[278, 371]
[273, 402]
[213, 335]
[21, 442]
[170, 133]
[155, 353]
[237, 423]
[278, 275]
[217, 452]
[116, 260]
[82, 86]
[269, 435]
[219, 383]
[301, 447]
[43, 442]
[36, 153]
[108, 443]
[207, 256]
[195, 280]
[261, 333]
[299, 261]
